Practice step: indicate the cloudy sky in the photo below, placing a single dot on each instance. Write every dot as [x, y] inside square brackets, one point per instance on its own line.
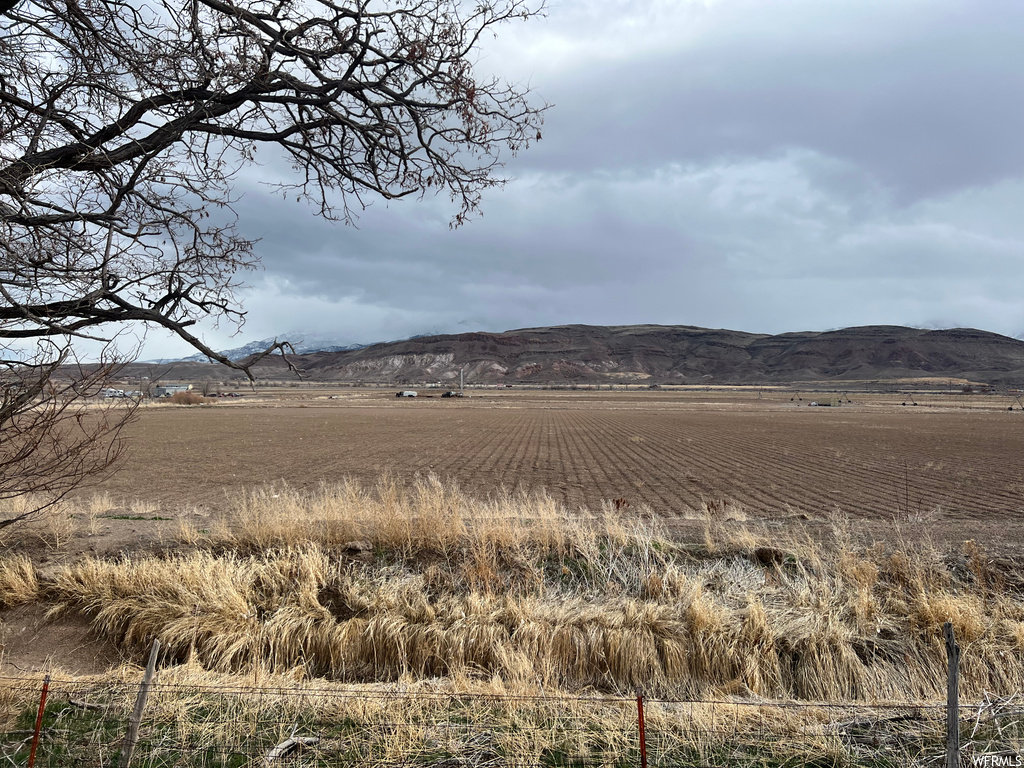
[762, 165]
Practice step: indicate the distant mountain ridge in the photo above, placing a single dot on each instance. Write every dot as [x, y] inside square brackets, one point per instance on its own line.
[673, 354]
[305, 343]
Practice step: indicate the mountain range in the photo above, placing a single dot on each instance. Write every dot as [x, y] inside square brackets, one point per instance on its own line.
[671, 354]
[303, 341]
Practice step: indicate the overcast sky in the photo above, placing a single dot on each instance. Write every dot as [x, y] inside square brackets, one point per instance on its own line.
[761, 165]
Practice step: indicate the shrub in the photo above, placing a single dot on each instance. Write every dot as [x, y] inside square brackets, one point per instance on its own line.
[187, 398]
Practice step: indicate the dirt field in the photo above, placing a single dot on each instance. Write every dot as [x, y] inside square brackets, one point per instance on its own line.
[674, 452]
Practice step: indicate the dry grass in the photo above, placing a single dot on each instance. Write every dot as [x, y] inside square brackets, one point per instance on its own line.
[445, 598]
[18, 581]
[429, 516]
[516, 590]
[189, 398]
[53, 525]
[434, 721]
[93, 508]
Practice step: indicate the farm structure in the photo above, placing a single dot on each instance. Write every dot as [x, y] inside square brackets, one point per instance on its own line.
[166, 390]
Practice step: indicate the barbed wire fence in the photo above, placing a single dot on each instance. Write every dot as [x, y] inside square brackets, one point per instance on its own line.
[160, 725]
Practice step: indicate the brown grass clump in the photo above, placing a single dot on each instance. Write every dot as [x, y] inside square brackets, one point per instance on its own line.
[965, 612]
[18, 581]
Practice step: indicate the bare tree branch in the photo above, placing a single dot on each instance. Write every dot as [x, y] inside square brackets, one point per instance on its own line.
[124, 124]
[54, 435]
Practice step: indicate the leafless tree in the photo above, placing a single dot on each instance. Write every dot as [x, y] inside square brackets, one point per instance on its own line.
[124, 125]
[54, 432]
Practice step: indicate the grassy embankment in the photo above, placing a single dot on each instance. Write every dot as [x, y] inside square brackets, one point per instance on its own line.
[519, 589]
[516, 595]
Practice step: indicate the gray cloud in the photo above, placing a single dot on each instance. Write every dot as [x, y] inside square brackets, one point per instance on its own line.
[764, 166]
[921, 96]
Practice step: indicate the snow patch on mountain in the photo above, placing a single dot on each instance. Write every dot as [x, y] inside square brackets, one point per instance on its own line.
[304, 343]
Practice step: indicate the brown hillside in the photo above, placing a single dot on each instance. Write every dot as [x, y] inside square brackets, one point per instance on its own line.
[675, 354]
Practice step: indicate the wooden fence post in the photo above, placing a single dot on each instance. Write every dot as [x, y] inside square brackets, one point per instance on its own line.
[952, 697]
[132, 736]
[39, 722]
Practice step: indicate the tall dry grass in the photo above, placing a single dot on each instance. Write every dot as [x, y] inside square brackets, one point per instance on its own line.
[518, 591]
[19, 583]
[429, 515]
[52, 526]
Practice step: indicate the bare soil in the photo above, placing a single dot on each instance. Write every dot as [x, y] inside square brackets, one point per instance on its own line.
[672, 452]
[31, 643]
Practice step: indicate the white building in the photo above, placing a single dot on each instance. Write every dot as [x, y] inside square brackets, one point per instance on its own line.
[166, 390]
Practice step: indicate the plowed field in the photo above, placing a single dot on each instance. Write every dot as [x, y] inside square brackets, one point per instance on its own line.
[667, 452]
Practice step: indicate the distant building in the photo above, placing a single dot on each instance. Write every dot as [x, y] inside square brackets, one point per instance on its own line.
[166, 390]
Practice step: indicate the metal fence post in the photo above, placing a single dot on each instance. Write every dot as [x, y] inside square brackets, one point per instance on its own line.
[640, 720]
[952, 697]
[39, 722]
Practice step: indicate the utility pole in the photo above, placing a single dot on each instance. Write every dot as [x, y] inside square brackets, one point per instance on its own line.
[461, 383]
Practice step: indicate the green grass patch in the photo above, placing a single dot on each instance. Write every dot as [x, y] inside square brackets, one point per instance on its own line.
[134, 517]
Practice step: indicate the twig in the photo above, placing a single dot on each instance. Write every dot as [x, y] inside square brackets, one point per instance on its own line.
[88, 705]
